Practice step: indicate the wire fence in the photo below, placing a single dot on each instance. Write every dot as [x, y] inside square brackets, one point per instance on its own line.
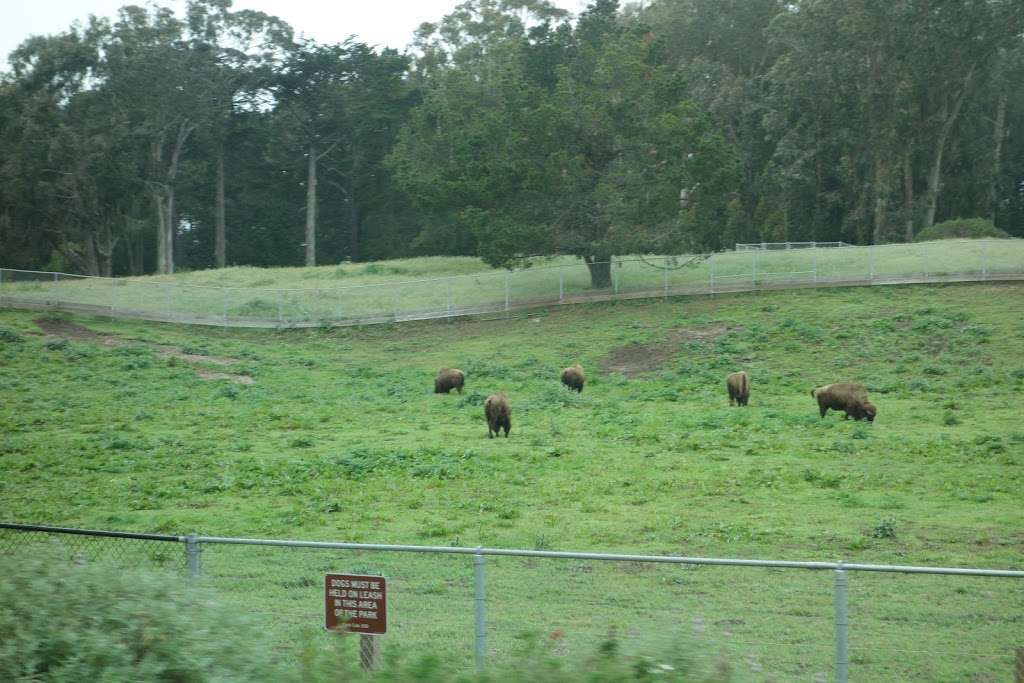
[782, 246]
[505, 291]
[785, 620]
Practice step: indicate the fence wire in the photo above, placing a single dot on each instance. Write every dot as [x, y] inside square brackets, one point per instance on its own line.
[774, 623]
[751, 267]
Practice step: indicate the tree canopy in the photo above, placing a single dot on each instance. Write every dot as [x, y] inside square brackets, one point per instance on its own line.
[509, 130]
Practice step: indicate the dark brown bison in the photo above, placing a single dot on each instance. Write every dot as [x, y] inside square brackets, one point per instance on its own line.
[849, 397]
[499, 415]
[573, 378]
[448, 379]
[738, 385]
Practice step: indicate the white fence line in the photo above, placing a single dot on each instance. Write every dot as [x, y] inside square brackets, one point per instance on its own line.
[508, 291]
[775, 246]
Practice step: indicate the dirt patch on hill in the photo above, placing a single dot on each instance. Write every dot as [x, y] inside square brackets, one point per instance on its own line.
[70, 330]
[636, 359]
[65, 329]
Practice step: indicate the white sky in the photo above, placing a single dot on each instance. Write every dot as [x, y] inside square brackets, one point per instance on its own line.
[387, 23]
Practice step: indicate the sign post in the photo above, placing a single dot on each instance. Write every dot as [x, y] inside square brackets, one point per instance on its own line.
[357, 604]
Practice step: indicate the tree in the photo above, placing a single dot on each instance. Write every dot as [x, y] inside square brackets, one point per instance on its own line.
[612, 159]
[235, 52]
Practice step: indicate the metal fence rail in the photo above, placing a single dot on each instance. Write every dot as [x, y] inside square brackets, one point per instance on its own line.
[795, 265]
[567, 590]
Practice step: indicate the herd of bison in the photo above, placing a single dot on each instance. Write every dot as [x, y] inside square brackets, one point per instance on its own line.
[849, 397]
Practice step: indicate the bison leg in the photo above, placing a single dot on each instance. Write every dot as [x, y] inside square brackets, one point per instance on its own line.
[823, 409]
[460, 389]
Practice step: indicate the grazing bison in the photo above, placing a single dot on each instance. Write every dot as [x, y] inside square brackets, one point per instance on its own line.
[448, 379]
[573, 378]
[498, 413]
[849, 397]
[738, 385]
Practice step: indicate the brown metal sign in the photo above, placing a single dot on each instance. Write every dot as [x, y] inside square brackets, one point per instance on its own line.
[356, 603]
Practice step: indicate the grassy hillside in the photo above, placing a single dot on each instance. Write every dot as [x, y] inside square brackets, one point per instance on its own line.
[335, 434]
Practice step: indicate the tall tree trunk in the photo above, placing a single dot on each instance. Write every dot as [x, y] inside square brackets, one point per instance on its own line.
[998, 135]
[165, 197]
[311, 208]
[908, 196]
[600, 271]
[881, 177]
[161, 230]
[948, 118]
[220, 220]
[89, 261]
[353, 213]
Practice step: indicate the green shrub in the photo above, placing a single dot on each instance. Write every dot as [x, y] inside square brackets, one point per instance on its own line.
[10, 336]
[64, 621]
[959, 228]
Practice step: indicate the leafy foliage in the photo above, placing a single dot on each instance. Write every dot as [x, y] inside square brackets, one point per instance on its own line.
[112, 623]
[960, 228]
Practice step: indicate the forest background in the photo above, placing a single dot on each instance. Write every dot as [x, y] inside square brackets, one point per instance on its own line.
[154, 142]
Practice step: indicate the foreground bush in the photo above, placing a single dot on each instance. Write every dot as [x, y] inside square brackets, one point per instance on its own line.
[65, 621]
[60, 621]
[960, 228]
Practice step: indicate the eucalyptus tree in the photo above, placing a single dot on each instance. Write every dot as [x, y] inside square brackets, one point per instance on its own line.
[235, 51]
[67, 157]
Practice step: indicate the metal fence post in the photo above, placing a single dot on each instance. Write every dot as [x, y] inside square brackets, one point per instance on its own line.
[984, 259]
[753, 277]
[871, 263]
[711, 276]
[615, 280]
[192, 555]
[480, 641]
[506, 290]
[449, 296]
[842, 662]
[666, 277]
[561, 284]
[280, 304]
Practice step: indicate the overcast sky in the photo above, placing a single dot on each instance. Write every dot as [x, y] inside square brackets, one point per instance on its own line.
[378, 22]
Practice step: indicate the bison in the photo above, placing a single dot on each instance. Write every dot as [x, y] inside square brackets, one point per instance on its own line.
[738, 385]
[499, 415]
[849, 397]
[573, 378]
[448, 379]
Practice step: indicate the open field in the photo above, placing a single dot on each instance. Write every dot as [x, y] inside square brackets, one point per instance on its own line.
[442, 287]
[334, 434]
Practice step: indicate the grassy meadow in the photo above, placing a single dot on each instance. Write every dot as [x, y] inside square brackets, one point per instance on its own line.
[436, 286]
[335, 434]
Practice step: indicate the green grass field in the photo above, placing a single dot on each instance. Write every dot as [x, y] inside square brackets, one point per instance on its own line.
[439, 286]
[335, 434]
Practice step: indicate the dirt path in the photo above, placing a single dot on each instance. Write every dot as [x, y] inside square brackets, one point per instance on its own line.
[65, 329]
[636, 359]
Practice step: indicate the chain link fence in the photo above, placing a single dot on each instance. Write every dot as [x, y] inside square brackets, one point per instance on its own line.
[504, 291]
[777, 246]
[775, 620]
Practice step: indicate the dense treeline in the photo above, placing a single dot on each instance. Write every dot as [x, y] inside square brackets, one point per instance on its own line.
[152, 141]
